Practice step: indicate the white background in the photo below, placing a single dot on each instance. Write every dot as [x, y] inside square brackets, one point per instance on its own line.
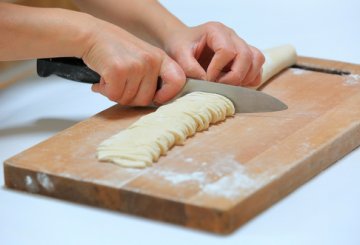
[323, 211]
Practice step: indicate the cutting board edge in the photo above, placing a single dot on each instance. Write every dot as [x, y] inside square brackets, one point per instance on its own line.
[106, 197]
[328, 64]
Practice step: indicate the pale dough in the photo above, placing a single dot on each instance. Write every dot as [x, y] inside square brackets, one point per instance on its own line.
[153, 135]
[276, 59]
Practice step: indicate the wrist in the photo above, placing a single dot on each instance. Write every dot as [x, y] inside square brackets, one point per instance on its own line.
[167, 31]
[79, 33]
[154, 23]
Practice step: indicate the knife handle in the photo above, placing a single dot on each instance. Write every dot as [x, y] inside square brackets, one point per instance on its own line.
[71, 68]
[68, 68]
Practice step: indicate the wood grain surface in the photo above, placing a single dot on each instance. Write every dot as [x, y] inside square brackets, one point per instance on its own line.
[221, 177]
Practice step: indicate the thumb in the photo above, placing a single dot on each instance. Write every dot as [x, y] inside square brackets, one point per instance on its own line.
[98, 87]
[190, 65]
[173, 78]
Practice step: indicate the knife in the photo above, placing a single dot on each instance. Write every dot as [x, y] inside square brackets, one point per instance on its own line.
[245, 100]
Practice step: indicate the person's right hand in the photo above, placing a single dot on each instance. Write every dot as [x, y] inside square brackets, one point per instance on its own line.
[129, 67]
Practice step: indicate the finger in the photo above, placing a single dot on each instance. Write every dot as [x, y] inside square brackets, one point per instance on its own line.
[147, 88]
[135, 74]
[114, 89]
[258, 60]
[186, 59]
[97, 87]
[131, 89]
[173, 78]
[241, 65]
[111, 90]
[225, 52]
[256, 82]
[238, 70]
[145, 94]
[112, 82]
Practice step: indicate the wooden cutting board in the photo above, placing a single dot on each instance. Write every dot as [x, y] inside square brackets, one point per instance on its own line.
[221, 177]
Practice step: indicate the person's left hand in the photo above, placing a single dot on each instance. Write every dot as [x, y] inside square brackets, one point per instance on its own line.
[214, 52]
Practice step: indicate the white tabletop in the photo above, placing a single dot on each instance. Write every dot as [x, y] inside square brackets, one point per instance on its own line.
[323, 211]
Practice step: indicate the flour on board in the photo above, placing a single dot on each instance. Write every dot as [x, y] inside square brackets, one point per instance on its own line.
[352, 79]
[45, 181]
[231, 177]
[297, 71]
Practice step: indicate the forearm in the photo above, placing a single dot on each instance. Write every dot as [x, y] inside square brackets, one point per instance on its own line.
[146, 19]
[28, 32]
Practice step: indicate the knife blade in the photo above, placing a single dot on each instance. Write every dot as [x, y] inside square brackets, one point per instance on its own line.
[245, 100]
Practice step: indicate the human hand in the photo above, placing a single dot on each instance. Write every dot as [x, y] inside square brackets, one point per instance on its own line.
[214, 52]
[129, 67]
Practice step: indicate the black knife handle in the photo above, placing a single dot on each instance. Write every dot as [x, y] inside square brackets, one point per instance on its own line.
[67, 67]
[71, 68]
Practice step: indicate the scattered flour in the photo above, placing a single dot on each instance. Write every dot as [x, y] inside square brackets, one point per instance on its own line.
[305, 146]
[31, 185]
[178, 178]
[45, 182]
[188, 159]
[231, 177]
[352, 79]
[230, 186]
[297, 71]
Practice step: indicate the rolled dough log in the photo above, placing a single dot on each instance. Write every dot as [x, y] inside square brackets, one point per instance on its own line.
[276, 59]
[154, 134]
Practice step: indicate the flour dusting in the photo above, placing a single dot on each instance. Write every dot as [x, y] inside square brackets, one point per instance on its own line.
[45, 182]
[297, 71]
[31, 185]
[221, 176]
[352, 79]
[305, 146]
[178, 178]
[188, 159]
[233, 179]
[230, 186]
